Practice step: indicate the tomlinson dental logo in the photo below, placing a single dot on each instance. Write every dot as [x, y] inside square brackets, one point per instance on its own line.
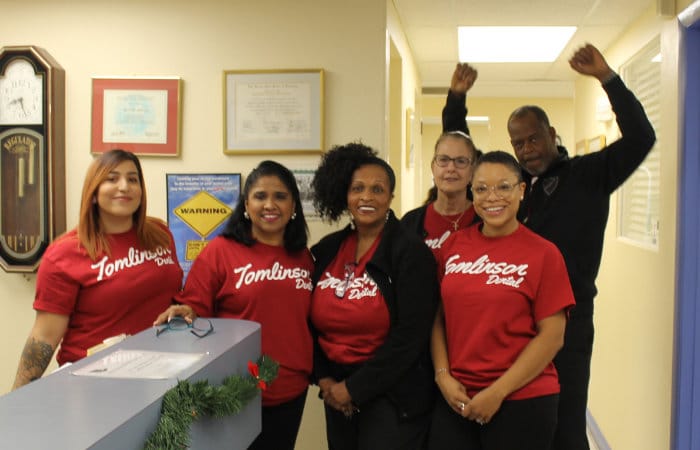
[499, 272]
[135, 257]
[357, 288]
[278, 272]
[437, 242]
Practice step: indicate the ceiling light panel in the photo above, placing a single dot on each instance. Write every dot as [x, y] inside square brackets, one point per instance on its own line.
[512, 44]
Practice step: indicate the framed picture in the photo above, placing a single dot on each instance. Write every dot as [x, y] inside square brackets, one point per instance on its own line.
[595, 144]
[582, 147]
[198, 207]
[273, 111]
[304, 178]
[141, 115]
[410, 154]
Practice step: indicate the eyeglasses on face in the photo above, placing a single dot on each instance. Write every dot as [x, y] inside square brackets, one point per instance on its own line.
[200, 327]
[502, 189]
[348, 277]
[460, 162]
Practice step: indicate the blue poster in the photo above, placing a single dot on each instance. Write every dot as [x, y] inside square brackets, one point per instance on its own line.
[198, 207]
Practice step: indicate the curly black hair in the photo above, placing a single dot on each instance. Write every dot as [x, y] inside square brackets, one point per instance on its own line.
[295, 233]
[334, 174]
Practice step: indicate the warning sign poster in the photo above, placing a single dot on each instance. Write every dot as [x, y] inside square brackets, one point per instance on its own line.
[198, 207]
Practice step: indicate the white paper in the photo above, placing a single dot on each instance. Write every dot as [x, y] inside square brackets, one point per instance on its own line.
[139, 364]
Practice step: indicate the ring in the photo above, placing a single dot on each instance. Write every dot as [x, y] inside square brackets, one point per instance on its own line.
[461, 406]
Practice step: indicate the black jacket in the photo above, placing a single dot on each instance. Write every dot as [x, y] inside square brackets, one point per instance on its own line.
[569, 203]
[405, 273]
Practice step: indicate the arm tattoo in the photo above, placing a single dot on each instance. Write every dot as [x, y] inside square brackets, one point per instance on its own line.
[35, 358]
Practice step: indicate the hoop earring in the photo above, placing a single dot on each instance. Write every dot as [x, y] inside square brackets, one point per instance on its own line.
[245, 214]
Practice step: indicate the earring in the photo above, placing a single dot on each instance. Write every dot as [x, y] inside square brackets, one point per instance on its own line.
[387, 217]
[245, 214]
[94, 200]
[294, 216]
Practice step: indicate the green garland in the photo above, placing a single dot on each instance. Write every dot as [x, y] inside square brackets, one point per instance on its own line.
[187, 402]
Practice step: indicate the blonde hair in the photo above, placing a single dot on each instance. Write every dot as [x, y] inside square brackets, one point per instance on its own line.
[151, 232]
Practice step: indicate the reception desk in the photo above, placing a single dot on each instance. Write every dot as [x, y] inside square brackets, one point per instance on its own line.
[66, 411]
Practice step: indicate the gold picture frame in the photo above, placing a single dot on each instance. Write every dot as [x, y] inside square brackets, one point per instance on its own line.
[273, 111]
[410, 151]
[582, 147]
[595, 144]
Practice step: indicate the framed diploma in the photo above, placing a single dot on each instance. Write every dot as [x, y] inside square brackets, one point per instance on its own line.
[273, 111]
[141, 115]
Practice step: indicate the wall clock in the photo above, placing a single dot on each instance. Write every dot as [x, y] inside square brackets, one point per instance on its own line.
[32, 162]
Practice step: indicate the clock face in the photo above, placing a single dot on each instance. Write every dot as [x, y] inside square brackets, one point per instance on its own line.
[21, 90]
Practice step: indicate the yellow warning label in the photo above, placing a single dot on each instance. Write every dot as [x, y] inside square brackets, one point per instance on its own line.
[203, 213]
[193, 249]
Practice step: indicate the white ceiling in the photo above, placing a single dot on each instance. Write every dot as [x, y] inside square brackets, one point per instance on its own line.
[431, 29]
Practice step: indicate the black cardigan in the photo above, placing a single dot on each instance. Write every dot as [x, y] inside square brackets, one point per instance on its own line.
[405, 273]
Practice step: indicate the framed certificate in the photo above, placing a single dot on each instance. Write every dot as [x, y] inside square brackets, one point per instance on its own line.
[273, 111]
[141, 115]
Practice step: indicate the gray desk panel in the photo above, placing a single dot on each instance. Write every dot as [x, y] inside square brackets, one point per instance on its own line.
[64, 411]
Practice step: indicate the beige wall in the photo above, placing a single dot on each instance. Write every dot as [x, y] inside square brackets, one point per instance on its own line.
[406, 80]
[631, 382]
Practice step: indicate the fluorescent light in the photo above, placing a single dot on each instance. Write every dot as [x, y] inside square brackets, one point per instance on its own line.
[512, 44]
[478, 119]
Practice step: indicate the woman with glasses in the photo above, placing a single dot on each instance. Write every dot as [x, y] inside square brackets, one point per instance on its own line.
[505, 297]
[375, 293]
[108, 276]
[259, 269]
[448, 207]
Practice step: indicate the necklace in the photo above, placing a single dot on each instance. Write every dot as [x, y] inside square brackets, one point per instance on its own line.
[455, 223]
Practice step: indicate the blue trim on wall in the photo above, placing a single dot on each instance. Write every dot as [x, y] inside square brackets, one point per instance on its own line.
[596, 434]
[687, 346]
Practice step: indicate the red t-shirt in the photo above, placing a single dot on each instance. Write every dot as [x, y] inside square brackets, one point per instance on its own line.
[494, 291]
[123, 293]
[439, 227]
[265, 284]
[347, 308]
